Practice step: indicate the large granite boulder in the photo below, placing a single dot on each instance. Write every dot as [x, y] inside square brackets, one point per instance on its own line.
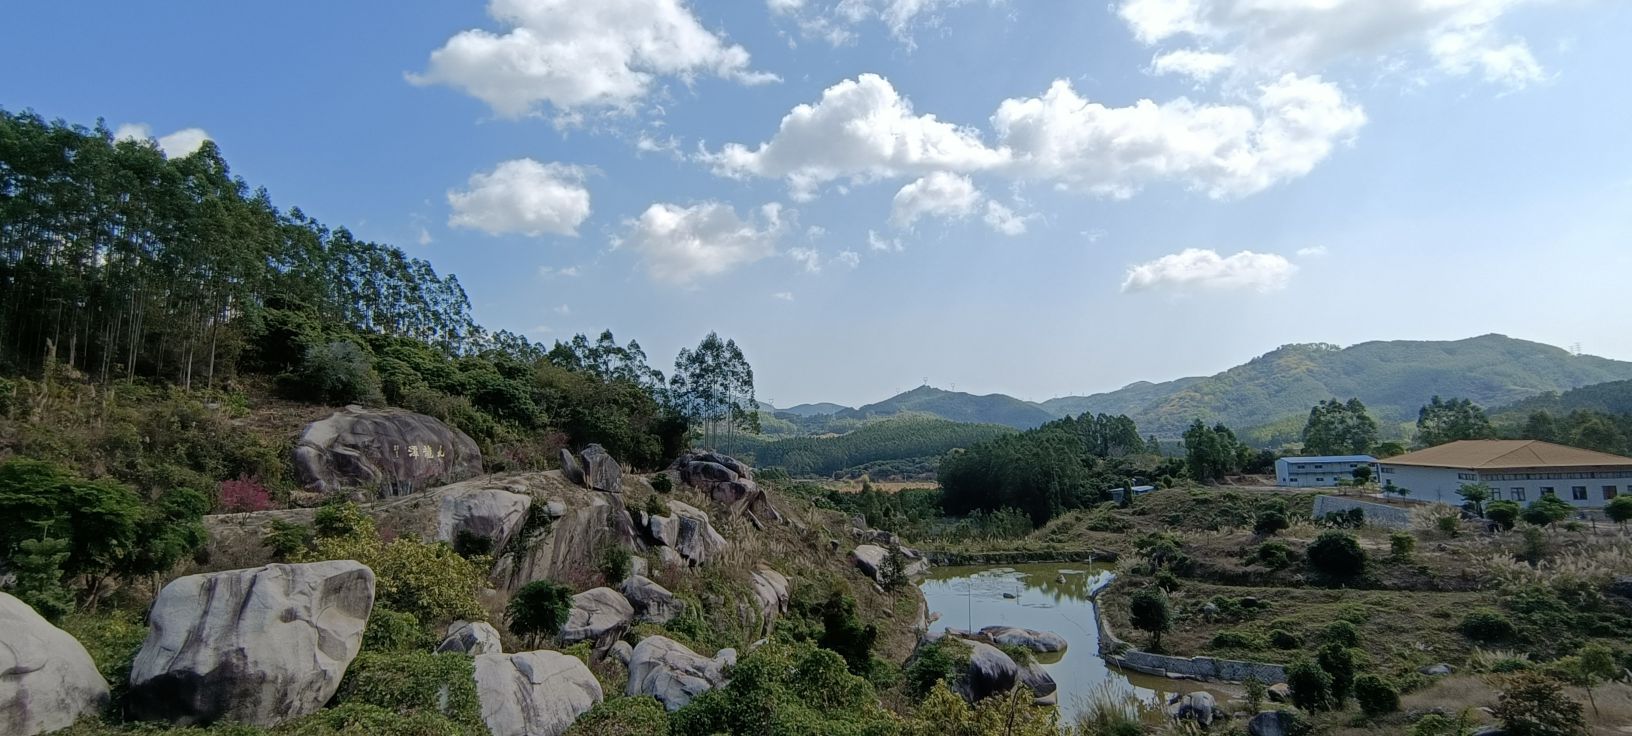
[727, 481]
[990, 672]
[257, 646]
[870, 558]
[1042, 642]
[601, 472]
[570, 469]
[389, 452]
[487, 513]
[771, 592]
[688, 531]
[472, 638]
[1199, 706]
[533, 693]
[598, 615]
[653, 603]
[1043, 688]
[47, 680]
[665, 669]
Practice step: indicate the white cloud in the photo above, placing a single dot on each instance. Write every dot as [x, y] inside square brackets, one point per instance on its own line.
[1313, 251]
[1198, 65]
[563, 310]
[1274, 36]
[523, 196]
[786, 296]
[1199, 268]
[681, 244]
[549, 273]
[179, 144]
[861, 129]
[807, 257]
[573, 55]
[834, 20]
[939, 195]
[879, 242]
[424, 236]
[849, 258]
[1004, 220]
[1224, 150]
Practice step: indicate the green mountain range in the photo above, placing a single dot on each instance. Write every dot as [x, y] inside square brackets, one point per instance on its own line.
[1394, 378]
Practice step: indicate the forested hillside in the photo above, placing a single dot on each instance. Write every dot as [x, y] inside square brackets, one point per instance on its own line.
[1612, 397]
[908, 438]
[956, 406]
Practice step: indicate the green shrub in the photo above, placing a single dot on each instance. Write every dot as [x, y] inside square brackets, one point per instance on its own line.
[287, 540]
[1401, 545]
[1311, 686]
[1503, 513]
[38, 569]
[539, 609]
[1150, 611]
[395, 633]
[430, 581]
[1375, 695]
[1274, 555]
[470, 544]
[1533, 705]
[662, 483]
[1343, 665]
[1166, 580]
[1436, 724]
[615, 563]
[1283, 639]
[353, 719]
[1236, 640]
[417, 683]
[337, 372]
[944, 659]
[655, 505]
[634, 716]
[786, 689]
[1337, 555]
[1341, 633]
[1269, 522]
[1486, 625]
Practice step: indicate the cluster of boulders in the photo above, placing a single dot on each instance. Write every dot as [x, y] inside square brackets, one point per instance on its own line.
[991, 671]
[673, 674]
[383, 453]
[874, 550]
[684, 537]
[1040, 642]
[593, 468]
[727, 481]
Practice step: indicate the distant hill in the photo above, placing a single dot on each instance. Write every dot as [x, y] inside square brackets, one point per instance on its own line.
[1613, 397]
[1393, 378]
[811, 410]
[956, 406]
[1269, 394]
[905, 437]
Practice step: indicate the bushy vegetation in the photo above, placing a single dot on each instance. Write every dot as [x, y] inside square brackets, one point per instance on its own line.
[539, 609]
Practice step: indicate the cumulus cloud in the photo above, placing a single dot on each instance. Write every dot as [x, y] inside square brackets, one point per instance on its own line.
[810, 258]
[179, 144]
[879, 242]
[1004, 220]
[1206, 269]
[574, 55]
[1313, 251]
[523, 196]
[1198, 65]
[849, 258]
[863, 130]
[681, 244]
[1456, 36]
[939, 194]
[835, 20]
[1224, 150]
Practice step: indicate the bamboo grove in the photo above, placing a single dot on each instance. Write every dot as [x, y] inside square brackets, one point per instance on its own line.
[122, 263]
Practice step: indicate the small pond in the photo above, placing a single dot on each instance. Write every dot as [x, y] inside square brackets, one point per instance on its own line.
[971, 597]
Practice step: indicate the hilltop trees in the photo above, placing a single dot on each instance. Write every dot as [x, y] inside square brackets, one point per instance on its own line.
[1213, 453]
[1339, 428]
[1442, 421]
[714, 386]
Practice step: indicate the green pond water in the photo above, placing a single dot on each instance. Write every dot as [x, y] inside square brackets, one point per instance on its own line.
[971, 597]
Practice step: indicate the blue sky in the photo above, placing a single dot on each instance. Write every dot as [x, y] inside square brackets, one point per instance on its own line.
[1034, 197]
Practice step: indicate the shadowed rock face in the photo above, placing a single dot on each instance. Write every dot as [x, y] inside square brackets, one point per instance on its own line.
[257, 646]
[599, 615]
[727, 481]
[665, 669]
[533, 693]
[601, 472]
[653, 603]
[390, 451]
[47, 680]
[472, 638]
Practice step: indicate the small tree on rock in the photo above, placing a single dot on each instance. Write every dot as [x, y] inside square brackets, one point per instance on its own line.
[539, 609]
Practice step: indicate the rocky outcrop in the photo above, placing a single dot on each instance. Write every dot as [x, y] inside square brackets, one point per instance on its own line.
[47, 680]
[1043, 688]
[620, 652]
[570, 469]
[771, 592]
[1042, 642]
[665, 669]
[1200, 707]
[688, 531]
[599, 615]
[533, 693]
[487, 513]
[257, 646]
[727, 481]
[386, 452]
[870, 558]
[990, 672]
[601, 472]
[584, 523]
[472, 638]
[653, 603]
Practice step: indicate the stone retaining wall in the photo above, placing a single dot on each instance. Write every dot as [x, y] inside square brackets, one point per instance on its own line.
[1377, 514]
[1119, 653]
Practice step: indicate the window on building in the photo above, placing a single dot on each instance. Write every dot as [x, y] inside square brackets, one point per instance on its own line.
[1609, 493]
[1320, 480]
[1518, 494]
[1578, 493]
[1495, 494]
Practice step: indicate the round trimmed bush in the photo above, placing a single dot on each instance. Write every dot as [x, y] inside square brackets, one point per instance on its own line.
[1486, 625]
[1337, 555]
[1376, 695]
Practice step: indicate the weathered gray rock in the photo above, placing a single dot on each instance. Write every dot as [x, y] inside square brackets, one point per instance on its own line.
[870, 559]
[667, 557]
[1438, 670]
[771, 591]
[694, 536]
[1271, 723]
[489, 513]
[533, 693]
[620, 652]
[664, 531]
[472, 638]
[1280, 692]
[1199, 706]
[598, 615]
[990, 672]
[1043, 688]
[389, 452]
[601, 472]
[653, 603]
[257, 646]
[570, 469]
[47, 680]
[665, 669]
[727, 481]
[1041, 642]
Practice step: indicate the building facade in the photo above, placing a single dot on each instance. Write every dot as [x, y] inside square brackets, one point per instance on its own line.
[1515, 470]
[1321, 471]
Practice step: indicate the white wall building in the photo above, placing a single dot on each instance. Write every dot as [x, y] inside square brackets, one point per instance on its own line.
[1515, 470]
[1321, 471]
